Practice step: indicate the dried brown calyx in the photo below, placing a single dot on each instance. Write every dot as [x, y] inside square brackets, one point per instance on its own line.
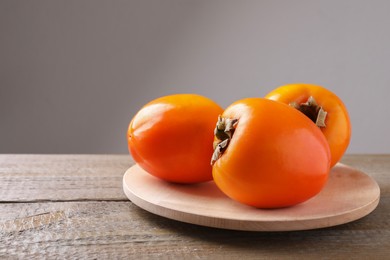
[312, 110]
[223, 132]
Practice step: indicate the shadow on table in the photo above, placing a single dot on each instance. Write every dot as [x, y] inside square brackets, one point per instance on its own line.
[360, 235]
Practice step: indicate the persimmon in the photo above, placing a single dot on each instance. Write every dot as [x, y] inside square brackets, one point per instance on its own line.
[268, 154]
[171, 137]
[324, 108]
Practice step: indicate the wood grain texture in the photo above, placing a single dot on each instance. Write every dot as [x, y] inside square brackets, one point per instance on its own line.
[98, 222]
[62, 177]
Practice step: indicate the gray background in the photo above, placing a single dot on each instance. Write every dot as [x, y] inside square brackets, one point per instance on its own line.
[73, 73]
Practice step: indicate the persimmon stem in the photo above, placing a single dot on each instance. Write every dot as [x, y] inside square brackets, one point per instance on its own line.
[320, 122]
[218, 150]
[312, 110]
[223, 132]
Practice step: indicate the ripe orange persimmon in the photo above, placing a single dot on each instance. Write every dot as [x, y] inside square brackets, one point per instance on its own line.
[171, 137]
[324, 108]
[268, 154]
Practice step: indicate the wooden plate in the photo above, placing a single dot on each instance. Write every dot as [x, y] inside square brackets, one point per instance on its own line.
[349, 195]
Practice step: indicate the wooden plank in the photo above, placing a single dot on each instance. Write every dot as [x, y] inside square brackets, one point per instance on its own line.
[99, 177]
[121, 230]
[77, 224]
[62, 177]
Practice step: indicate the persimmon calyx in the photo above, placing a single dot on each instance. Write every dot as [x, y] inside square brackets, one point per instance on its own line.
[312, 110]
[223, 132]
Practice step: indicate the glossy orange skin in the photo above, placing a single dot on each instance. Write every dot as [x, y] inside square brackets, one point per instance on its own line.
[276, 158]
[171, 137]
[338, 125]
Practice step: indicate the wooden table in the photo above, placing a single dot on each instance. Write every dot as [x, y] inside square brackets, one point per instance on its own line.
[73, 206]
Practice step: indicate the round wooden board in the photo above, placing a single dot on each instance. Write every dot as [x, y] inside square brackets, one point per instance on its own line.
[349, 195]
